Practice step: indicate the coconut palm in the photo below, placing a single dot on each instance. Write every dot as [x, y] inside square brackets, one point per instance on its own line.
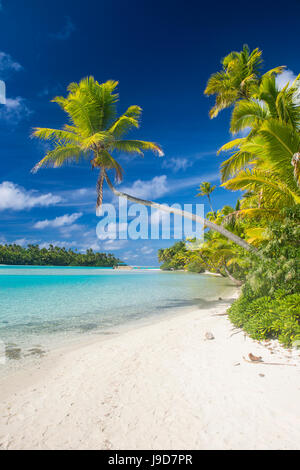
[94, 132]
[206, 189]
[272, 115]
[266, 163]
[238, 79]
[239, 71]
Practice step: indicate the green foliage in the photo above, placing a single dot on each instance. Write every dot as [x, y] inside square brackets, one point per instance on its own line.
[93, 130]
[269, 306]
[53, 256]
[239, 73]
[278, 264]
[267, 317]
[174, 257]
[195, 266]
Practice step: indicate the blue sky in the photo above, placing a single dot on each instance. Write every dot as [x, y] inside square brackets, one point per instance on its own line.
[162, 53]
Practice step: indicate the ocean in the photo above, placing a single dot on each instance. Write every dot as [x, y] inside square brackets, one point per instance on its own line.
[45, 307]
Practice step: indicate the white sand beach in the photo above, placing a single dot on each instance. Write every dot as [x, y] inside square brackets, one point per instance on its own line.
[158, 386]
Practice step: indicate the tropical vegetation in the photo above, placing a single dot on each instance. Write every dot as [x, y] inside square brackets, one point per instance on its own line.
[255, 243]
[94, 132]
[264, 163]
[53, 256]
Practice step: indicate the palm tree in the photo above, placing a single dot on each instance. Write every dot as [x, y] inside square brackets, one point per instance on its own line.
[265, 163]
[233, 82]
[94, 131]
[238, 78]
[205, 190]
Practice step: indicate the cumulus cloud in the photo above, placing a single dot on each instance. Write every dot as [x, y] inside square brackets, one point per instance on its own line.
[149, 189]
[66, 31]
[114, 244]
[287, 76]
[17, 198]
[67, 219]
[160, 185]
[146, 250]
[8, 64]
[177, 164]
[14, 110]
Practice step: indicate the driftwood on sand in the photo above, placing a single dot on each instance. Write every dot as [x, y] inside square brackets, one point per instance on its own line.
[269, 363]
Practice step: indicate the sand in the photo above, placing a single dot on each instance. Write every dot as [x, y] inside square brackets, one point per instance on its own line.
[158, 386]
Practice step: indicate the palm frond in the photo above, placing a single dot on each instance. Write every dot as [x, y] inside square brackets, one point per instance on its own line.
[238, 161]
[55, 135]
[275, 192]
[137, 147]
[60, 155]
[247, 114]
[233, 144]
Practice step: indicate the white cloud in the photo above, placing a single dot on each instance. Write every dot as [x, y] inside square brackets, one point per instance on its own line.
[14, 110]
[114, 245]
[17, 198]
[149, 189]
[7, 64]
[287, 76]
[67, 219]
[177, 164]
[160, 185]
[66, 31]
[194, 181]
[146, 250]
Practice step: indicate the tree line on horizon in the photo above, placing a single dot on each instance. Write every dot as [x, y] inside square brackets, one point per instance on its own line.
[33, 255]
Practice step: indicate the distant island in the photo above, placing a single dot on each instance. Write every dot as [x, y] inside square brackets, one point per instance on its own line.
[33, 255]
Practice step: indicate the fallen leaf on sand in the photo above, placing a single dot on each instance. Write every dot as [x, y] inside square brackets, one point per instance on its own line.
[255, 358]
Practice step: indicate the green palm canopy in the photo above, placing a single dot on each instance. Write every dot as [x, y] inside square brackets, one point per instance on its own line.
[94, 131]
[240, 74]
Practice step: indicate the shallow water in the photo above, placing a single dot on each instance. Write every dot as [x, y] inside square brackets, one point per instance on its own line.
[42, 307]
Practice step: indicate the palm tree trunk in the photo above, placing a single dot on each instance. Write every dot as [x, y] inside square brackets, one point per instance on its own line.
[211, 207]
[100, 189]
[197, 218]
[235, 281]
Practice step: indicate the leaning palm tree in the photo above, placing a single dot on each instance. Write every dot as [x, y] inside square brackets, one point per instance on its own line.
[205, 190]
[95, 132]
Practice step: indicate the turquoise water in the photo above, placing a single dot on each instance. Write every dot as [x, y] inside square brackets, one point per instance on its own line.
[40, 306]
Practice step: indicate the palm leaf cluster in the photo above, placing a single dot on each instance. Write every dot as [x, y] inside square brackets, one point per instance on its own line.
[94, 131]
[265, 160]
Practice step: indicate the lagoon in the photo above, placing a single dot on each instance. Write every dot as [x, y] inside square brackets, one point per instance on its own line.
[43, 307]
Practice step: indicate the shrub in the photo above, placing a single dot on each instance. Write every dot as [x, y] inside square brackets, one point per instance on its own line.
[195, 267]
[267, 317]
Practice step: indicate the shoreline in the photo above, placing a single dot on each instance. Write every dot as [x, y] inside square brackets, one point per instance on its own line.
[157, 386]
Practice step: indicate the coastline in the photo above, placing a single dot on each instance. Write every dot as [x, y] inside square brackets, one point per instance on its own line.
[157, 386]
